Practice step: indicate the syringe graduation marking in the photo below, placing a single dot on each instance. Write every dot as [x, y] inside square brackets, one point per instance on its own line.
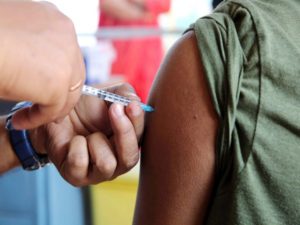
[111, 97]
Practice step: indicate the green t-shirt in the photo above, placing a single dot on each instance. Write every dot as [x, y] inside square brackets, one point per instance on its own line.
[251, 55]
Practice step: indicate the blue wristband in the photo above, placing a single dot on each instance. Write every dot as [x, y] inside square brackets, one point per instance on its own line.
[21, 143]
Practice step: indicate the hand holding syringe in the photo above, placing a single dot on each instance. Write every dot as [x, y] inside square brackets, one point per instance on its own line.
[111, 97]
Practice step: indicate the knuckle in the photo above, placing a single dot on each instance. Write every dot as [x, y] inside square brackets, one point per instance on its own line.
[106, 168]
[76, 183]
[73, 182]
[130, 162]
[71, 179]
[78, 161]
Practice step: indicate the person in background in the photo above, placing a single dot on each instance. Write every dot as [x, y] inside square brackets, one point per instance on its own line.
[40, 61]
[223, 144]
[139, 58]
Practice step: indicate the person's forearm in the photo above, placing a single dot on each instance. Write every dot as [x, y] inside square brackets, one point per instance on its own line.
[123, 10]
[8, 159]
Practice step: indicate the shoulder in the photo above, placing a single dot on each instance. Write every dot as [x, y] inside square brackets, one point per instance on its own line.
[180, 83]
[180, 94]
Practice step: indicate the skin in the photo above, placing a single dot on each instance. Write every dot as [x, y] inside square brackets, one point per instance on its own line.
[124, 10]
[132, 10]
[95, 142]
[178, 154]
[164, 5]
[40, 61]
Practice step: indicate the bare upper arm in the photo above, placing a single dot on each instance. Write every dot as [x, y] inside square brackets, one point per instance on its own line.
[178, 151]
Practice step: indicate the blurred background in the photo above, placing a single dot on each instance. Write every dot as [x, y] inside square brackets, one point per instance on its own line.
[121, 40]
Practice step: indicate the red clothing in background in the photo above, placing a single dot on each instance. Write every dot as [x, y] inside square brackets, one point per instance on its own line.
[138, 59]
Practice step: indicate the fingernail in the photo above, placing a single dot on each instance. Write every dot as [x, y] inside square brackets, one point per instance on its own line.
[118, 110]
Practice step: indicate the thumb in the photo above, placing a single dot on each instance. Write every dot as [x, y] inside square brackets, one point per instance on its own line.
[32, 117]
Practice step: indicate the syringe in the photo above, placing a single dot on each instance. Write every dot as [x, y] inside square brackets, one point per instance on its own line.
[111, 97]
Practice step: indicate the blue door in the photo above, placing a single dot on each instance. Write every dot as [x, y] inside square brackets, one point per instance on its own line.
[39, 198]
